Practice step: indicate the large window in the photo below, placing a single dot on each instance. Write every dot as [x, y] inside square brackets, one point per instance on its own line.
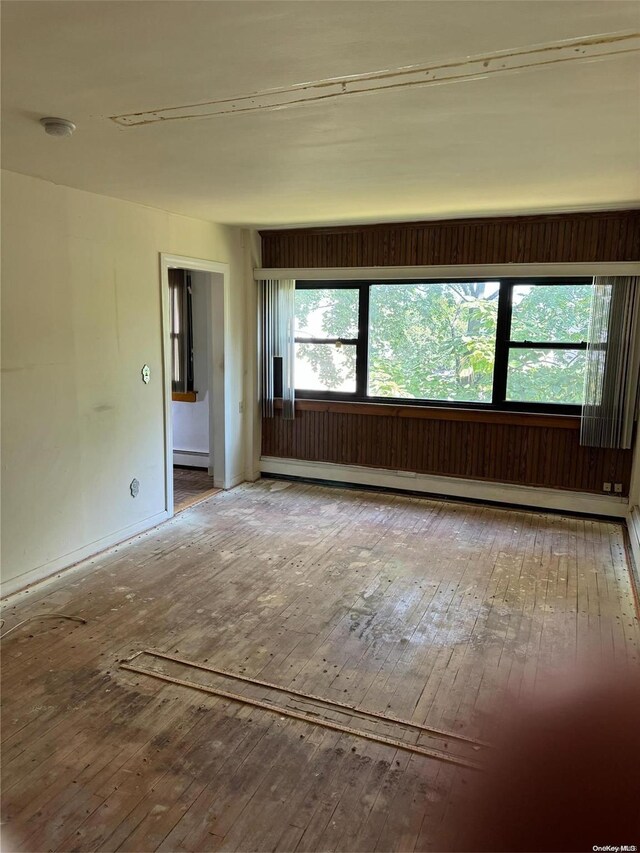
[433, 341]
[512, 344]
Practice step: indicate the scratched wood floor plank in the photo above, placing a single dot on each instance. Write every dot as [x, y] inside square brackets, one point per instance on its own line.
[191, 485]
[422, 608]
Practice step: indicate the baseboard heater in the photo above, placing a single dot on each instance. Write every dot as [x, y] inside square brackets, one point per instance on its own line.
[192, 458]
[453, 488]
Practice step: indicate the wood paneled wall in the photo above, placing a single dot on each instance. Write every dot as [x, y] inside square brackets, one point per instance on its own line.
[542, 453]
[562, 238]
[516, 449]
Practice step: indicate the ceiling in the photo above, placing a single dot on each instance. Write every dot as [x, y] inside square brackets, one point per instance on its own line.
[561, 136]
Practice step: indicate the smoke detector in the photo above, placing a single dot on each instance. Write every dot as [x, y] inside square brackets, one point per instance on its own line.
[57, 126]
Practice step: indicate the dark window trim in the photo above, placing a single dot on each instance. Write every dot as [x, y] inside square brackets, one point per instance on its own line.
[180, 282]
[302, 340]
[547, 345]
[503, 343]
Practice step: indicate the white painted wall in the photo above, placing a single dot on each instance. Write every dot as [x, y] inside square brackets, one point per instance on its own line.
[253, 423]
[80, 316]
[191, 420]
[191, 424]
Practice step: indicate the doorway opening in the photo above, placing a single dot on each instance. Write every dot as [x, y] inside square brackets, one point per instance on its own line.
[193, 320]
[191, 398]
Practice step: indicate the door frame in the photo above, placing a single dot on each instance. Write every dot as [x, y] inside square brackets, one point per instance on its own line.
[219, 389]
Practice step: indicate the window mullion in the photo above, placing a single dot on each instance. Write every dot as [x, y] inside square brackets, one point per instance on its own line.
[503, 334]
[577, 345]
[347, 341]
[362, 347]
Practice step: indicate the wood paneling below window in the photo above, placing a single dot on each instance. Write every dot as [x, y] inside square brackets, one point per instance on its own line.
[527, 450]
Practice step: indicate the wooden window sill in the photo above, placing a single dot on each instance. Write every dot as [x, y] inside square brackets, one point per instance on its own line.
[439, 413]
[184, 396]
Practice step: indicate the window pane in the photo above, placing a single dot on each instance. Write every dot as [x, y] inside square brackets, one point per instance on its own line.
[175, 360]
[546, 376]
[326, 367]
[553, 313]
[176, 313]
[433, 341]
[325, 313]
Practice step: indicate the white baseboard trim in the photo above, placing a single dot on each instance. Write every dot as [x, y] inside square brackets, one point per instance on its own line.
[633, 526]
[235, 481]
[193, 458]
[73, 558]
[482, 490]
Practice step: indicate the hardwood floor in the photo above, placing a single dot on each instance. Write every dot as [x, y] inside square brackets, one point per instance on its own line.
[191, 485]
[421, 609]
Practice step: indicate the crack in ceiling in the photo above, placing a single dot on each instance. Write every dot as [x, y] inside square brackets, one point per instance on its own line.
[590, 49]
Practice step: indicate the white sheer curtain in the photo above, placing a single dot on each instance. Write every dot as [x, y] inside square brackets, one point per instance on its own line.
[277, 345]
[611, 392]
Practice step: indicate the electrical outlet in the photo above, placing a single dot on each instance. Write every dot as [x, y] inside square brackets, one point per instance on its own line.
[606, 487]
[617, 488]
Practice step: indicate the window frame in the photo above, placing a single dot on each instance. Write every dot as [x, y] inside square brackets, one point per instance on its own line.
[503, 344]
[361, 342]
[180, 290]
